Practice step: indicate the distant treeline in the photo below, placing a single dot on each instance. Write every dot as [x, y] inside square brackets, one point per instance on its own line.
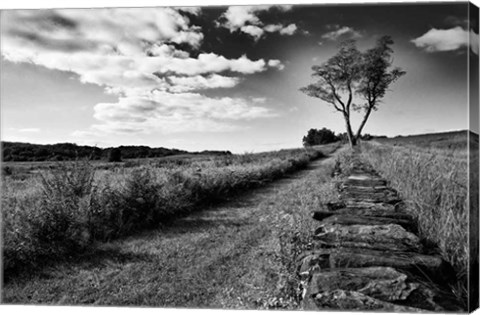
[18, 151]
[325, 136]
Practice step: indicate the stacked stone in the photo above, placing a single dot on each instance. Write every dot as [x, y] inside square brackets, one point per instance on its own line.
[366, 254]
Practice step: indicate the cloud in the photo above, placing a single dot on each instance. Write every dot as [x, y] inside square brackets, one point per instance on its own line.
[182, 112]
[342, 32]
[191, 10]
[447, 40]
[283, 30]
[199, 82]
[133, 53]
[289, 30]
[275, 63]
[252, 30]
[245, 19]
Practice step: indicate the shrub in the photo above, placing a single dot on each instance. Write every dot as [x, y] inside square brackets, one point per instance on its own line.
[317, 137]
[71, 205]
[115, 155]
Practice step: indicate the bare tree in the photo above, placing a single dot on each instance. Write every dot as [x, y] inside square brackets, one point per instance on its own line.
[351, 73]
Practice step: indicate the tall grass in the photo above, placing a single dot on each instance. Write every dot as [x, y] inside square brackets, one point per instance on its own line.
[434, 184]
[64, 210]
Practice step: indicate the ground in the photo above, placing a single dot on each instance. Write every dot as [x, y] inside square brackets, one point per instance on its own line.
[234, 255]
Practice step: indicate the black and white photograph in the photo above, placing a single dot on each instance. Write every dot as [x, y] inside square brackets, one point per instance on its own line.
[241, 156]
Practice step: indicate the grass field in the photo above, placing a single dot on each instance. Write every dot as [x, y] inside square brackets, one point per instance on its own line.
[237, 254]
[56, 213]
[431, 172]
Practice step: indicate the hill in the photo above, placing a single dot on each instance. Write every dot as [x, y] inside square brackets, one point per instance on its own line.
[27, 152]
[441, 140]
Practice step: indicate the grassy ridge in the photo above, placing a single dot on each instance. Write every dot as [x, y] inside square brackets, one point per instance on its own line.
[434, 183]
[65, 210]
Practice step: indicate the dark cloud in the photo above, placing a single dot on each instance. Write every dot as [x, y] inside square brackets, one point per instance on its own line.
[41, 41]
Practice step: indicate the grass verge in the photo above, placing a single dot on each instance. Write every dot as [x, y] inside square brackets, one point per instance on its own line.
[66, 210]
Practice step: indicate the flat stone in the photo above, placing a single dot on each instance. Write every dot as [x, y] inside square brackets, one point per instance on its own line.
[383, 196]
[369, 203]
[363, 188]
[349, 218]
[370, 182]
[332, 206]
[381, 283]
[384, 283]
[352, 300]
[389, 237]
[372, 205]
[432, 266]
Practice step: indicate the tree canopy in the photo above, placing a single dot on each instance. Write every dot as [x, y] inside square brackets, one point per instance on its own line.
[319, 136]
[351, 73]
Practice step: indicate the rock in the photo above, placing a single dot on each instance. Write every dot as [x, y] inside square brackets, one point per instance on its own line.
[380, 283]
[384, 283]
[366, 255]
[364, 212]
[363, 181]
[332, 206]
[350, 218]
[432, 266]
[377, 212]
[389, 237]
[351, 300]
[370, 203]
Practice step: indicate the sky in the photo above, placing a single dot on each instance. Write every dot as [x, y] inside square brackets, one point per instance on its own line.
[223, 77]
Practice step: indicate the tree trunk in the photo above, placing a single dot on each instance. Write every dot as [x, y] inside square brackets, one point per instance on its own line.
[365, 118]
[351, 138]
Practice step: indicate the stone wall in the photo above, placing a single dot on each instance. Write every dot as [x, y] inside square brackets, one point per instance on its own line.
[367, 256]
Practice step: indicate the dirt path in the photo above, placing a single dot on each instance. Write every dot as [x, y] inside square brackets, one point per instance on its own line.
[228, 256]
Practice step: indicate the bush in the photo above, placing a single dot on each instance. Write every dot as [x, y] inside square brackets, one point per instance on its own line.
[52, 220]
[115, 155]
[317, 137]
[70, 206]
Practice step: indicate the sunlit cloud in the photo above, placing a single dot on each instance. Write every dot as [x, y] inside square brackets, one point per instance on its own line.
[341, 32]
[135, 55]
[167, 112]
[245, 19]
[436, 40]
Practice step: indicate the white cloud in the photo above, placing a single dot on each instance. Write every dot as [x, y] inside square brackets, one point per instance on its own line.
[245, 19]
[191, 83]
[275, 63]
[443, 40]
[191, 10]
[252, 30]
[238, 16]
[130, 52]
[182, 112]
[283, 30]
[341, 32]
[289, 30]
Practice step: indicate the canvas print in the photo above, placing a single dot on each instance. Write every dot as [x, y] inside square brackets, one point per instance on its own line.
[266, 157]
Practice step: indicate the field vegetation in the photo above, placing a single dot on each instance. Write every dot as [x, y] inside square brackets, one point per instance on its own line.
[59, 212]
[433, 181]
[238, 254]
